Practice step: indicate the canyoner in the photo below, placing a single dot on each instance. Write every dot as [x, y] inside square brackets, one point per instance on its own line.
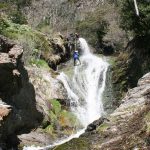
[85, 91]
[76, 50]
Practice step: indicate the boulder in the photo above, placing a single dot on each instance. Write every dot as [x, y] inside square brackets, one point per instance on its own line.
[95, 124]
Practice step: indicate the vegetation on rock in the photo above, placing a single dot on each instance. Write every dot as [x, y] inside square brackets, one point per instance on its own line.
[61, 120]
[76, 144]
[32, 41]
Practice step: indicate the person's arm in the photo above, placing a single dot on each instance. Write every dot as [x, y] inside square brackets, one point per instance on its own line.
[75, 44]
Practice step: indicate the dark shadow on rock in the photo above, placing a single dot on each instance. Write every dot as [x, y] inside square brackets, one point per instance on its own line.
[24, 115]
[108, 48]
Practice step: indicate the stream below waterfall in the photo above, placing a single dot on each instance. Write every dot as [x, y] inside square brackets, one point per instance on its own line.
[85, 91]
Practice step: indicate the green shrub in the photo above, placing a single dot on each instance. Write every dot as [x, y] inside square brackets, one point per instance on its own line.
[39, 63]
[3, 25]
[56, 107]
[27, 37]
[44, 22]
[18, 17]
[21, 3]
[61, 119]
[45, 27]
[49, 129]
[4, 5]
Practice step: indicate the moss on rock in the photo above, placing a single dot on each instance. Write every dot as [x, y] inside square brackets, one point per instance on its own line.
[147, 121]
[76, 144]
[61, 121]
[103, 127]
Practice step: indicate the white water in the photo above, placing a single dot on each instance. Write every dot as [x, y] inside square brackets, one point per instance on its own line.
[84, 91]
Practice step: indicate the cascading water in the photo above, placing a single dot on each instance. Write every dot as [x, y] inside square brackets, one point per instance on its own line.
[84, 90]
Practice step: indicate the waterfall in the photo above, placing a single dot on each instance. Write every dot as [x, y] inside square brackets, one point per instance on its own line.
[84, 90]
[87, 86]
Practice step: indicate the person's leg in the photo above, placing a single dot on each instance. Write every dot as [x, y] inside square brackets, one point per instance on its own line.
[74, 62]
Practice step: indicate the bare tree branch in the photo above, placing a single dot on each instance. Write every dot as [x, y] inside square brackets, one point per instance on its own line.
[136, 7]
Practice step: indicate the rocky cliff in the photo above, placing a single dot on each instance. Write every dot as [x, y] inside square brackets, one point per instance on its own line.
[27, 94]
[130, 65]
[14, 80]
[126, 128]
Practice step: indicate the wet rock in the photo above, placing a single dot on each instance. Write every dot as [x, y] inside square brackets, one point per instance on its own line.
[5, 44]
[145, 78]
[95, 124]
[110, 102]
[130, 65]
[36, 138]
[46, 88]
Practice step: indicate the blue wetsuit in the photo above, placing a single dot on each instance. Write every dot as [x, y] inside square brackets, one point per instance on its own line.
[76, 57]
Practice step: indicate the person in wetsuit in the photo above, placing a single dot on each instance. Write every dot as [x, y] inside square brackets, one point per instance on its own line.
[76, 57]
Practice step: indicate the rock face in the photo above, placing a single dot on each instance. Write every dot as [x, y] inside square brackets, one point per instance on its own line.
[126, 128]
[25, 94]
[128, 125]
[10, 55]
[60, 51]
[16, 104]
[130, 65]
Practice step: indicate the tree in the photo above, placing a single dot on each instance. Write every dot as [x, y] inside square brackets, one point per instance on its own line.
[139, 24]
